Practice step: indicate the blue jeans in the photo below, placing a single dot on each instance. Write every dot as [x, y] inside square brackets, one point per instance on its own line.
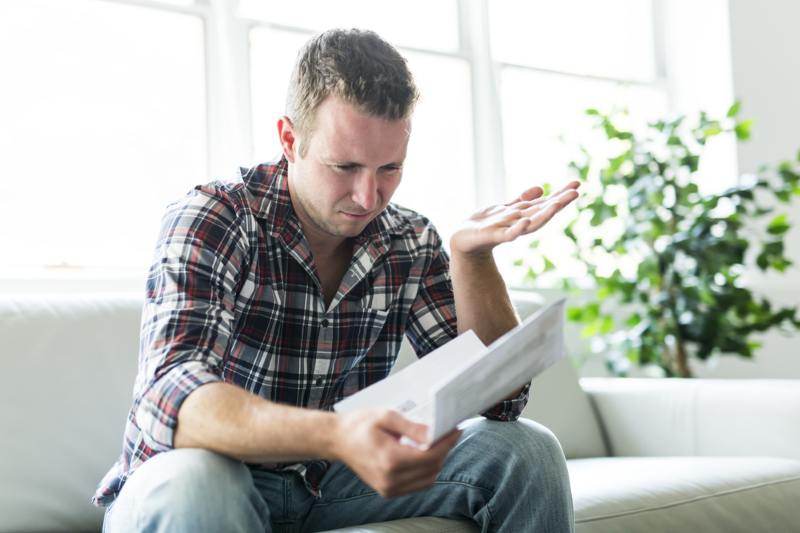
[507, 476]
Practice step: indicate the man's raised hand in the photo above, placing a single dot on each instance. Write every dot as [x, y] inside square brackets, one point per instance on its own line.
[497, 224]
[368, 441]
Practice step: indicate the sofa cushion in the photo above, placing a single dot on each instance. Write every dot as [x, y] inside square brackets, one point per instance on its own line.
[558, 403]
[675, 494]
[69, 363]
[557, 400]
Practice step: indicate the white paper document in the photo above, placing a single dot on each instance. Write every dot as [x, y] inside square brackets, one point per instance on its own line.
[464, 377]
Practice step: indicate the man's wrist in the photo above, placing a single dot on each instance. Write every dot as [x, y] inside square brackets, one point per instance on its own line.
[474, 260]
[330, 438]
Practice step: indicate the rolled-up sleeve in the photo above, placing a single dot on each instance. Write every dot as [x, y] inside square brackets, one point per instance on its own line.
[189, 313]
[509, 410]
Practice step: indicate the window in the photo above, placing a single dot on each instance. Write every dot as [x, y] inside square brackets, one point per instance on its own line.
[102, 124]
[118, 107]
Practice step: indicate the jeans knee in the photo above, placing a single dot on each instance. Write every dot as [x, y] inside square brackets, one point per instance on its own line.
[521, 450]
[191, 488]
[194, 467]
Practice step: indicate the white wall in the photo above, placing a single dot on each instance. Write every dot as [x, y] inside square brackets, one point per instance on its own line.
[765, 42]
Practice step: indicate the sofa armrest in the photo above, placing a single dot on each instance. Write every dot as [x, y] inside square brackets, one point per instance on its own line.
[688, 417]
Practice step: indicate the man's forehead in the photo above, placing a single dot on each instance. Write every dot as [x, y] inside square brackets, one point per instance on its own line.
[344, 132]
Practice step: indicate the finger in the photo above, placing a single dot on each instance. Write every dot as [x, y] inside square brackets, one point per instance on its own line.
[396, 423]
[531, 194]
[572, 185]
[528, 195]
[562, 199]
[424, 464]
[541, 218]
[515, 230]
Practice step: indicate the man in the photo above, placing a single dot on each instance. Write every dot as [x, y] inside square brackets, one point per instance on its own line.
[273, 297]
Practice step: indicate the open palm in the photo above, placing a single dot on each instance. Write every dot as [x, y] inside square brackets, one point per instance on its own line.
[496, 224]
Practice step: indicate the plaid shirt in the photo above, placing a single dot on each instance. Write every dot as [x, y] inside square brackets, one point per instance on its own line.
[233, 295]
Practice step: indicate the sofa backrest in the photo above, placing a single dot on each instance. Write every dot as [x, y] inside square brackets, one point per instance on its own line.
[698, 417]
[68, 367]
[69, 363]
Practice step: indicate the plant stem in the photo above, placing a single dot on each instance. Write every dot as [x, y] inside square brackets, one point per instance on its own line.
[681, 364]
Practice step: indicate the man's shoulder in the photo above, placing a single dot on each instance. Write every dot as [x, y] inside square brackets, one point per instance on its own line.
[216, 206]
[245, 192]
[409, 227]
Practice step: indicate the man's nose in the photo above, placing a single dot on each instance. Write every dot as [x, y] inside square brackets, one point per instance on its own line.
[365, 189]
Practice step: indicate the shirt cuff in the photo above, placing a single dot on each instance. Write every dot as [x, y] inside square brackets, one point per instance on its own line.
[157, 414]
[509, 410]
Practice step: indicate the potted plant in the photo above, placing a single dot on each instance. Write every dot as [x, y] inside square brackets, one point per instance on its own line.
[682, 293]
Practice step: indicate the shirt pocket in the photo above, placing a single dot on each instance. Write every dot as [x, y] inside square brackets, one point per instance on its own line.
[362, 326]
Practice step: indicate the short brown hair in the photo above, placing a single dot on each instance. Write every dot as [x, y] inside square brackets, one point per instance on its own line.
[355, 65]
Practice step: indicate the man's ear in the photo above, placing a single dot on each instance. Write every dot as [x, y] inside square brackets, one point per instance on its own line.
[289, 143]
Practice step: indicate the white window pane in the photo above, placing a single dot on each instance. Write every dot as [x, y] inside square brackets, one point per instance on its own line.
[612, 38]
[414, 23]
[439, 175]
[102, 124]
[537, 109]
[272, 55]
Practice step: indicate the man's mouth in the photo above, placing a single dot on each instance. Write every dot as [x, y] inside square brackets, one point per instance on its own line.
[361, 217]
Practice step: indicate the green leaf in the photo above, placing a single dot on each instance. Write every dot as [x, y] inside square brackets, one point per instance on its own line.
[607, 325]
[712, 129]
[743, 130]
[518, 263]
[734, 109]
[691, 161]
[762, 261]
[575, 314]
[548, 265]
[590, 330]
[531, 274]
[546, 189]
[777, 222]
[778, 229]
[534, 244]
[592, 112]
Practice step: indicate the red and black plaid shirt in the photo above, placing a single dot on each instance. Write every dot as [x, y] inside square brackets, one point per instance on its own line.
[233, 295]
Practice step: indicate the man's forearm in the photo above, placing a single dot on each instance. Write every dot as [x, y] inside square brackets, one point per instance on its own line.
[482, 302]
[231, 421]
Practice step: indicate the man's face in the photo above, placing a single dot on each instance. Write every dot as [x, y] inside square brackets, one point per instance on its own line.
[350, 171]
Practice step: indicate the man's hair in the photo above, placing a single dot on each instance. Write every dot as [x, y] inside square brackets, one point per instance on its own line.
[355, 65]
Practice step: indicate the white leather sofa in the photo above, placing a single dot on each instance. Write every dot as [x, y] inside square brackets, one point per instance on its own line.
[643, 455]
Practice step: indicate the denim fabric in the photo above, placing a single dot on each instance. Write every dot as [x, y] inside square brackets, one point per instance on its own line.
[510, 477]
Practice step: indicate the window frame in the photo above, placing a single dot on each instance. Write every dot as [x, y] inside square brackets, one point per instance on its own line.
[228, 98]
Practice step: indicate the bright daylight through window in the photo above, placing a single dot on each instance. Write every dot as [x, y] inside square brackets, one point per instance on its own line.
[117, 108]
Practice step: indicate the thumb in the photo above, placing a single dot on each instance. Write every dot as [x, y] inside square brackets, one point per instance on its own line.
[396, 423]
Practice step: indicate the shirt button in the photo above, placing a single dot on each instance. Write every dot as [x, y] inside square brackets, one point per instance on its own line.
[319, 382]
[325, 323]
